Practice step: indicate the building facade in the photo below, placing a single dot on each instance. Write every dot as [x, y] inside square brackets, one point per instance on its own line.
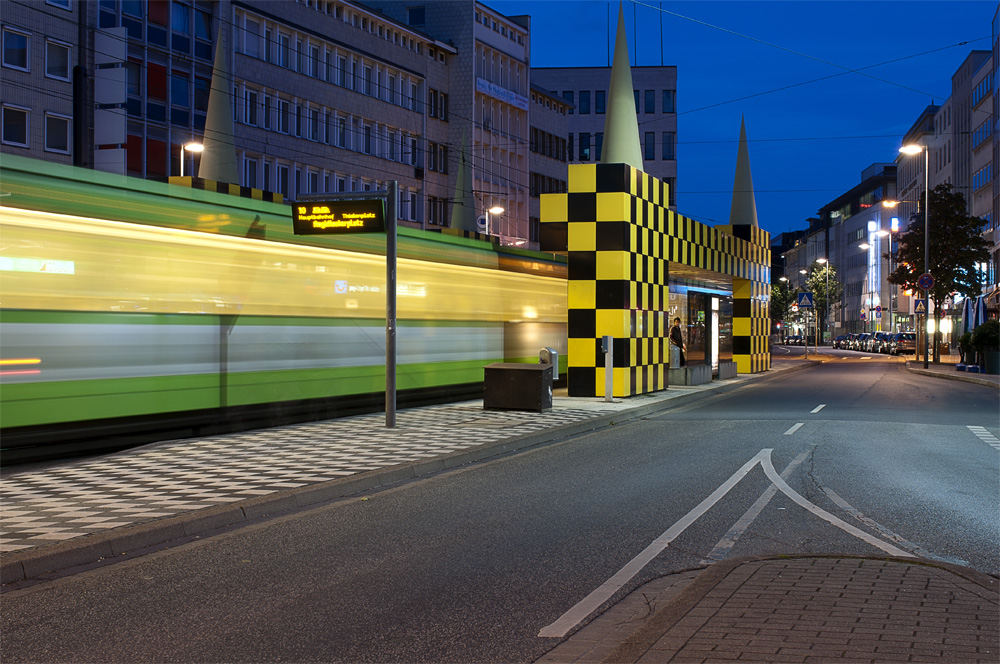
[586, 89]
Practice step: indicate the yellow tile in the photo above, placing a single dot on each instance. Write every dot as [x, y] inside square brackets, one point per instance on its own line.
[581, 236]
[742, 289]
[741, 327]
[614, 322]
[580, 352]
[553, 207]
[613, 206]
[581, 294]
[582, 178]
[612, 265]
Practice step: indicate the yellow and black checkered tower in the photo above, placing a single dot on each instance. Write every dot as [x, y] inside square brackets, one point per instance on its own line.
[621, 238]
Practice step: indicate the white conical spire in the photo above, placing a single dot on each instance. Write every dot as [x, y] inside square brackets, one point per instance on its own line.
[218, 159]
[744, 209]
[621, 126]
[463, 207]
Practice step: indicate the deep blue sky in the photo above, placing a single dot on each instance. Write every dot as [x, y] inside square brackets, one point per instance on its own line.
[840, 125]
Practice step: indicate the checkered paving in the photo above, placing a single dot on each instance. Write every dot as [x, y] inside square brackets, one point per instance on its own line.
[39, 508]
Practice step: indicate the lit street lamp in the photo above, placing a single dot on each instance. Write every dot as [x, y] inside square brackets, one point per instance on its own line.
[826, 298]
[911, 150]
[496, 209]
[190, 147]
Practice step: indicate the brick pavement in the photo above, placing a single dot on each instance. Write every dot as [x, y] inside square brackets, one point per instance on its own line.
[821, 609]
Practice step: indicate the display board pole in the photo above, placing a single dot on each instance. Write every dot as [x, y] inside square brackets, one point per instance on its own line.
[390, 304]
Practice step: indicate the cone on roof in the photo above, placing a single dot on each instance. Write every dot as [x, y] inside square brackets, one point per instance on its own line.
[744, 208]
[463, 208]
[621, 126]
[218, 159]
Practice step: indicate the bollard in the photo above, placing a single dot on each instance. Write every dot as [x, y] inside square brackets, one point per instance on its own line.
[607, 345]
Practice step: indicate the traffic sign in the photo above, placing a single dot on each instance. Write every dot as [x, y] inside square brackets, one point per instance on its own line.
[925, 282]
[920, 306]
[878, 308]
[805, 299]
[878, 314]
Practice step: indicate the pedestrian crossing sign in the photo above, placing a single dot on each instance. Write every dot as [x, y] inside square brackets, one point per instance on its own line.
[805, 299]
[920, 307]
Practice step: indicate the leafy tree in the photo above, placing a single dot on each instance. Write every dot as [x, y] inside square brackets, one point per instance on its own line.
[956, 245]
[781, 301]
[817, 283]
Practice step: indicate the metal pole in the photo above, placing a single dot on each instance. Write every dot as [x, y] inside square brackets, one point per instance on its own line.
[927, 245]
[390, 304]
[182, 161]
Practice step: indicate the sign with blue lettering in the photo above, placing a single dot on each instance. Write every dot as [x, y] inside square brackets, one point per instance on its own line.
[805, 299]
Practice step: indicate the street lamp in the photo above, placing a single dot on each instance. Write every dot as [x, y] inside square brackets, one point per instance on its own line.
[913, 149]
[190, 147]
[891, 310]
[826, 297]
[496, 209]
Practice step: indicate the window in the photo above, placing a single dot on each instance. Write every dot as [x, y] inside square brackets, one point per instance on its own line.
[598, 145]
[584, 146]
[57, 134]
[415, 15]
[584, 102]
[668, 146]
[650, 101]
[267, 112]
[314, 61]
[650, 146]
[342, 71]
[283, 180]
[15, 50]
[568, 96]
[368, 139]
[250, 172]
[284, 52]
[669, 101]
[15, 126]
[600, 103]
[57, 61]
[252, 47]
[179, 89]
[283, 116]
[636, 93]
[250, 108]
[368, 81]
[342, 132]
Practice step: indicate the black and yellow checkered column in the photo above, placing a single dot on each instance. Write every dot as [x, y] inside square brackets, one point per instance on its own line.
[620, 237]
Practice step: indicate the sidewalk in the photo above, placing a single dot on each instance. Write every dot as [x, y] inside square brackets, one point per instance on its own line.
[79, 512]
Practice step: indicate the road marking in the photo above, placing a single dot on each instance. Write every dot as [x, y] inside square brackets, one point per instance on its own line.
[594, 600]
[818, 408]
[885, 532]
[794, 429]
[579, 612]
[772, 475]
[984, 435]
[725, 545]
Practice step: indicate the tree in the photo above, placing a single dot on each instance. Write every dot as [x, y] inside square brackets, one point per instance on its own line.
[781, 301]
[821, 274]
[956, 245]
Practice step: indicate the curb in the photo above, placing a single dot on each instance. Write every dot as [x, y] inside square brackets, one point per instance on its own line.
[957, 375]
[642, 639]
[34, 563]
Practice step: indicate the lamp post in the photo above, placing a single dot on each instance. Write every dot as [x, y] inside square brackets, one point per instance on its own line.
[912, 149]
[826, 298]
[496, 209]
[190, 147]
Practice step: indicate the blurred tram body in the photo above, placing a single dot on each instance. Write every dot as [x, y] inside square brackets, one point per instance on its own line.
[114, 332]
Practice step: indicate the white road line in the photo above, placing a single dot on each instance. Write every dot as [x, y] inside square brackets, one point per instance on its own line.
[794, 429]
[594, 600]
[725, 545]
[885, 532]
[818, 408]
[984, 435]
[772, 475]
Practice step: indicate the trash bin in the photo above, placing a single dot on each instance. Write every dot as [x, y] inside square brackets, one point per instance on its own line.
[514, 386]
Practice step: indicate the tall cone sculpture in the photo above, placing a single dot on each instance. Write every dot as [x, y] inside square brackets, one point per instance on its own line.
[218, 159]
[744, 208]
[463, 209]
[621, 127]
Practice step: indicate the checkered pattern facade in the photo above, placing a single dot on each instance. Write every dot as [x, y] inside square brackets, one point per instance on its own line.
[621, 238]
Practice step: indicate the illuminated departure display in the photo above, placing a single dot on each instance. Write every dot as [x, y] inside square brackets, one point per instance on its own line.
[337, 217]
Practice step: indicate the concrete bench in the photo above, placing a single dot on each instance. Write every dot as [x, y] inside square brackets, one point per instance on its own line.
[697, 374]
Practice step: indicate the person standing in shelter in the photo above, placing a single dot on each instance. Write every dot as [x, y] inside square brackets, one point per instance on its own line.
[677, 340]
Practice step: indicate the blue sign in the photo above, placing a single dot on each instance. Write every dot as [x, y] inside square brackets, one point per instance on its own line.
[805, 299]
[920, 306]
[925, 282]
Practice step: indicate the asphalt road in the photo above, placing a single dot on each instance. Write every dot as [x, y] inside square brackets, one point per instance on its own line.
[474, 564]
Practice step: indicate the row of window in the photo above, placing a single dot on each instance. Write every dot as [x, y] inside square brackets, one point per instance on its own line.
[301, 119]
[371, 26]
[668, 141]
[668, 101]
[983, 90]
[550, 145]
[485, 19]
[266, 41]
[982, 133]
[165, 24]
[17, 54]
[543, 184]
[982, 177]
[16, 129]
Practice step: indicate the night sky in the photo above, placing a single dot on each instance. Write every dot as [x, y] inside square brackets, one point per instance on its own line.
[810, 141]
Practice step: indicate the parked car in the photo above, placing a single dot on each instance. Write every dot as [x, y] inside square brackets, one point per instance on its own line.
[793, 340]
[840, 341]
[879, 343]
[903, 343]
[859, 341]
